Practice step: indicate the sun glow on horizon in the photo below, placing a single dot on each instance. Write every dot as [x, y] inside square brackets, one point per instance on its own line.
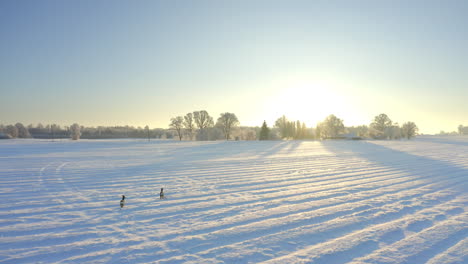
[308, 102]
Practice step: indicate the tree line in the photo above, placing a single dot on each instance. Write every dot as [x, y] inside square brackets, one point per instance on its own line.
[333, 127]
[75, 131]
[199, 125]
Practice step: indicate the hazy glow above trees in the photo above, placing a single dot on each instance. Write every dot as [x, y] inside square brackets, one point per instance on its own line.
[140, 63]
[309, 102]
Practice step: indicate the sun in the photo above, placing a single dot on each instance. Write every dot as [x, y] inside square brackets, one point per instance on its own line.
[308, 102]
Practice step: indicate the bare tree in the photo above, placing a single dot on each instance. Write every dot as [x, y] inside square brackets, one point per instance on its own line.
[409, 129]
[177, 124]
[202, 119]
[189, 124]
[227, 121]
[75, 131]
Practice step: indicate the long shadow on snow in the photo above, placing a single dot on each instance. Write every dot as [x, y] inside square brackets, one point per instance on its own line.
[394, 159]
[211, 151]
[457, 141]
[51, 147]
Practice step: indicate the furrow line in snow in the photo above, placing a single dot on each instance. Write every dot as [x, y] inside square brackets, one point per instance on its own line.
[249, 230]
[360, 242]
[333, 228]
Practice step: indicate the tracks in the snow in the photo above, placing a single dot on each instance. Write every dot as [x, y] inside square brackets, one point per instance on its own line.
[238, 202]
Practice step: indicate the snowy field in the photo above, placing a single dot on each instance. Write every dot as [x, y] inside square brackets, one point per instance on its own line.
[234, 202]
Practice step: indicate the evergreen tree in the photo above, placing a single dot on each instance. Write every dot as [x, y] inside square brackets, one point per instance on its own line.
[264, 132]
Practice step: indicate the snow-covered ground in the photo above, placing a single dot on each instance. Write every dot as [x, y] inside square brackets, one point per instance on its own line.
[234, 202]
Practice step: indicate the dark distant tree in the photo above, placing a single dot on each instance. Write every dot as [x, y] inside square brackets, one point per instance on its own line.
[169, 134]
[75, 131]
[460, 129]
[282, 124]
[159, 132]
[226, 122]
[22, 131]
[409, 130]
[40, 126]
[177, 124]
[331, 127]
[380, 124]
[12, 131]
[189, 124]
[147, 132]
[264, 132]
[54, 128]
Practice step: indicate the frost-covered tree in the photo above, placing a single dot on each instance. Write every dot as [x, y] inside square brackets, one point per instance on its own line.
[249, 134]
[203, 121]
[264, 132]
[177, 125]
[12, 131]
[226, 122]
[379, 126]
[23, 132]
[331, 127]
[189, 124]
[409, 130]
[75, 131]
[282, 124]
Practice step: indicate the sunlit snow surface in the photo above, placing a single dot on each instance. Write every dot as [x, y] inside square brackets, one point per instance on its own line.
[234, 202]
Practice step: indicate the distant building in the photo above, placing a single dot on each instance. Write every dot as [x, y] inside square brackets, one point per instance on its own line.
[463, 130]
[4, 136]
[351, 136]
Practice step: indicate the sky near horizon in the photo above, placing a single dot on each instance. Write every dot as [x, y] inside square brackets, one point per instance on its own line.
[143, 62]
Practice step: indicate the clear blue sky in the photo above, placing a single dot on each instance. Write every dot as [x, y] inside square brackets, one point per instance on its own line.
[143, 62]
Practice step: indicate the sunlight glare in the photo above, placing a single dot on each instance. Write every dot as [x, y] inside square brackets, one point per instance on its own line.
[308, 102]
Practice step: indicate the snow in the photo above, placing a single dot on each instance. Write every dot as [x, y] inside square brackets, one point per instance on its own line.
[234, 202]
